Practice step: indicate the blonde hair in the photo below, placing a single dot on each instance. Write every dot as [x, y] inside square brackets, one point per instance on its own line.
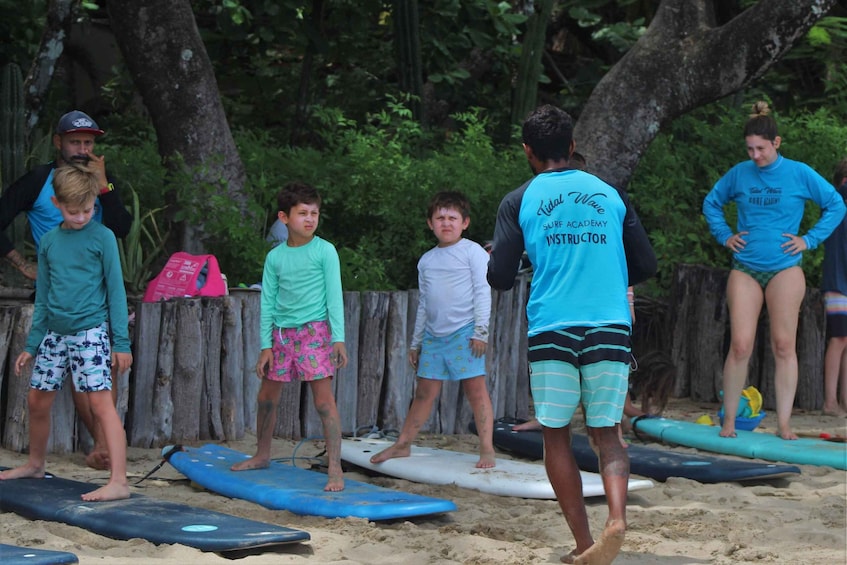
[760, 108]
[761, 123]
[75, 184]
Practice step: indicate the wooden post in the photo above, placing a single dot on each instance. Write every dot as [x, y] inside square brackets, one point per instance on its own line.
[251, 306]
[288, 412]
[211, 331]
[811, 345]
[374, 320]
[16, 428]
[400, 375]
[7, 325]
[700, 331]
[232, 370]
[346, 379]
[148, 316]
[188, 371]
[162, 398]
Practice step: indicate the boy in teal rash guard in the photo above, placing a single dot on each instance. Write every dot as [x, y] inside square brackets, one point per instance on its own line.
[80, 300]
[770, 192]
[301, 326]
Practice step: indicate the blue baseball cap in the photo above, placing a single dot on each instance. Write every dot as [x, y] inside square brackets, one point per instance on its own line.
[77, 122]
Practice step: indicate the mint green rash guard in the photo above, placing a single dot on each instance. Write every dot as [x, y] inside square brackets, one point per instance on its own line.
[300, 285]
[771, 201]
[80, 285]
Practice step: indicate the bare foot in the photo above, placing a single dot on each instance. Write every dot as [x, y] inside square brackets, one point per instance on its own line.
[25, 471]
[605, 549]
[486, 460]
[530, 426]
[569, 557]
[335, 483]
[786, 434]
[254, 462]
[98, 460]
[110, 491]
[837, 412]
[395, 450]
[728, 431]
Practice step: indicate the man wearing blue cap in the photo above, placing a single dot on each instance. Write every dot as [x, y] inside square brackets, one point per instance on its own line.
[74, 142]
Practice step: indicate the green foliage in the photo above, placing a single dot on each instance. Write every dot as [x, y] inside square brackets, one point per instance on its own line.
[375, 179]
[142, 246]
[814, 72]
[21, 27]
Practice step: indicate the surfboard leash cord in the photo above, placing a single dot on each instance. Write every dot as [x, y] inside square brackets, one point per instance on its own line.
[166, 456]
[634, 423]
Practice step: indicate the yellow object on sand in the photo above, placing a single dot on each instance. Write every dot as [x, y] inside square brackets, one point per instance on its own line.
[754, 398]
[705, 419]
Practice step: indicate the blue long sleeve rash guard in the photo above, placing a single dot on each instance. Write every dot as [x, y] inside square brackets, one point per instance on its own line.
[770, 202]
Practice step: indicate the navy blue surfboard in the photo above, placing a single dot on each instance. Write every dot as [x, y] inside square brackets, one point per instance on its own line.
[658, 464]
[286, 487]
[158, 521]
[17, 555]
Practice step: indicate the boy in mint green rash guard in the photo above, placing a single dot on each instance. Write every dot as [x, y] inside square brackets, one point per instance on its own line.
[301, 326]
[80, 300]
[770, 193]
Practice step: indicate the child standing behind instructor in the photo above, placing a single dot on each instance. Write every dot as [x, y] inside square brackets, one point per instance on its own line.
[302, 326]
[80, 300]
[451, 326]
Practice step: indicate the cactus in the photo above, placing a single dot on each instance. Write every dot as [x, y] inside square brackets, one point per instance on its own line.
[530, 68]
[12, 137]
[409, 65]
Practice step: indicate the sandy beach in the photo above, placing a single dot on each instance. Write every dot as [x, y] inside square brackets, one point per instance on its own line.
[797, 520]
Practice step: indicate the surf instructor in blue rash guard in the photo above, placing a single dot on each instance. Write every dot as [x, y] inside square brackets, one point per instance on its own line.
[74, 140]
[586, 245]
[770, 193]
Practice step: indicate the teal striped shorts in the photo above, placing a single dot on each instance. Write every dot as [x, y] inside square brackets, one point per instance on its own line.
[580, 365]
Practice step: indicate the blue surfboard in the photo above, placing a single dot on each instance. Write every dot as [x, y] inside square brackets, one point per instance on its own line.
[16, 555]
[759, 445]
[158, 521]
[658, 464]
[286, 487]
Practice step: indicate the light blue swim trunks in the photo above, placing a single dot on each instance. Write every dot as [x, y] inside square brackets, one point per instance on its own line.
[449, 358]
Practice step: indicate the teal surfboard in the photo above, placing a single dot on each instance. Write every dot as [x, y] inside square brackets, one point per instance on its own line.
[757, 445]
[286, 487]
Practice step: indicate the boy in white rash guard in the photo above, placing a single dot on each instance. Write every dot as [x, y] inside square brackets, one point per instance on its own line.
[451, 326]
[770, 193]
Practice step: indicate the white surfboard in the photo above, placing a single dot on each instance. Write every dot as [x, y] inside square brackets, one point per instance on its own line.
[444, 467]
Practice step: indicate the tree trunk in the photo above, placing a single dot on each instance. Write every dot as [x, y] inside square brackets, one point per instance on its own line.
[683, 61]
[169, 64]
[59, 19]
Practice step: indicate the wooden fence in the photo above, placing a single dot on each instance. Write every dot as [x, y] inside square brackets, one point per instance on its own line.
[193, 377]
